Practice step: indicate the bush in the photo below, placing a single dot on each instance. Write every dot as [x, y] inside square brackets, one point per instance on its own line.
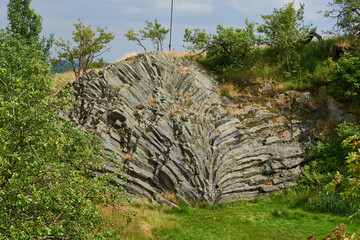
[47, 185]
[226, 50]
[329, 157]
[345, 81]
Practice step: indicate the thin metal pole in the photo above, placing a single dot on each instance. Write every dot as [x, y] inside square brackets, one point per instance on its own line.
[171, 22]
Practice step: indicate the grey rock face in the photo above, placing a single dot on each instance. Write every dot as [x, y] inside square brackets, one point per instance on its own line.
[335, 110]
[175, 135]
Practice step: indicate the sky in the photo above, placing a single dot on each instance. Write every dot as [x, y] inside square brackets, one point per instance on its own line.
[121, 15]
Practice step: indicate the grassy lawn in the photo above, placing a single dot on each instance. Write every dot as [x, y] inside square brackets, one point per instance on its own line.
[268, 218]
[261, 219]
[265, 219]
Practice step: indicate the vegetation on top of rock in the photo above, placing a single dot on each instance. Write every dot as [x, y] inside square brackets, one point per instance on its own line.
[228, 48]
[153, 31]
[88, 47]
[284, 29]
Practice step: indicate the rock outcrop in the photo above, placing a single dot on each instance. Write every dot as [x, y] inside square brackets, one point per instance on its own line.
[176, 136]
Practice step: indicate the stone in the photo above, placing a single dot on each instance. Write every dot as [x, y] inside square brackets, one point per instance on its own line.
[164, 112]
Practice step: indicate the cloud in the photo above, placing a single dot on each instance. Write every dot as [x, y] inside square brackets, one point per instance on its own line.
[133, 10]
[194, 7]
[188, 6]
[256, 5]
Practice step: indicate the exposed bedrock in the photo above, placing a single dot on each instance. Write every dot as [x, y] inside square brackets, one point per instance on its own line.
[175, 135]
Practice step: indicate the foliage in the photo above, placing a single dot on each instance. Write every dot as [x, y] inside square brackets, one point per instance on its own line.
[328, 160]
[347, 15]
[350, 185]
[24, 22]
[99, 63]
[227, 49]
[345, 79]
[329, 157]
[284, 30]
[47, 183]
[153, 31]
[131, 35]
[88, 47]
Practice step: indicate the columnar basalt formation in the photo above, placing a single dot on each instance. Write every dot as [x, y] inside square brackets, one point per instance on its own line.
[175, 135]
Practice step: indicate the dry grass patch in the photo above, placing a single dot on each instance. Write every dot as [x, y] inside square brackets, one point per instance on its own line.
[127, 157]
[185, 70]
[151, 102]
[148, 220]
[232, 91]
[128, 56]
[61, 79]
[234, 110]
[228, 90]
[190, 55]
[171, 197]
[282, 102]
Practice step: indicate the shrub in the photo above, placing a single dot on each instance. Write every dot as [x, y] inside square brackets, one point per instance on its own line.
[345, 81]
[226, 50]
[329, 157]
[47, 185]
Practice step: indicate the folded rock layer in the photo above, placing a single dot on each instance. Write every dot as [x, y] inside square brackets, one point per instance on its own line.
[175, 135]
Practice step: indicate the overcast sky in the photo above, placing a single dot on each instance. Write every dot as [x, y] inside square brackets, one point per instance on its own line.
[122, 15]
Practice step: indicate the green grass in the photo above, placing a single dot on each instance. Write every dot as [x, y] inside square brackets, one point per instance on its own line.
[268, 218]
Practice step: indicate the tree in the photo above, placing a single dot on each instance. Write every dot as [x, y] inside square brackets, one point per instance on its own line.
[153, 31]
[24, 22]
[347, 15]
[131, 35]
[284, 29]
[229, 47]
[47, 185]
[88, 47]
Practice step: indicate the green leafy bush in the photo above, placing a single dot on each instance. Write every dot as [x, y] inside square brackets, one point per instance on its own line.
[328, 159]
[226, 50]
[47, 183]
[345, 81]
